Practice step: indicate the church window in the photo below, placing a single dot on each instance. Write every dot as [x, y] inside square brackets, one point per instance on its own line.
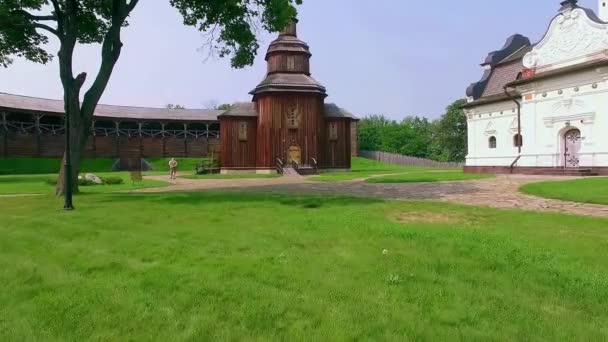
[518, 140]
[291, 63]
[293, 121]
[333, 131]
[243, 130]
[492, 142]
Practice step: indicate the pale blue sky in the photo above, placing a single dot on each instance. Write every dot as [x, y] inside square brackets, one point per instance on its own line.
[393, 57]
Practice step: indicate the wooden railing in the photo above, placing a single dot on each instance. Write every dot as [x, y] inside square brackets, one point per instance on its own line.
[315, 164]
[398, 159]
[280, 166]
[31, 127]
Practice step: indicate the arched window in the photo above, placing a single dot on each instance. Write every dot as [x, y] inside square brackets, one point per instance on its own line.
[518, 140]
[492, 142]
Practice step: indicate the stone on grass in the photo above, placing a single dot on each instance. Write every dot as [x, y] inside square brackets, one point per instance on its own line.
[93, 178]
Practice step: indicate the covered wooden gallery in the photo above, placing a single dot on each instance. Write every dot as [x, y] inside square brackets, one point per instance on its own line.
[34, 127]
[288, 121]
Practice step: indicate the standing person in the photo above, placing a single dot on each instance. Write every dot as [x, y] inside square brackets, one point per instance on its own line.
[172, 168]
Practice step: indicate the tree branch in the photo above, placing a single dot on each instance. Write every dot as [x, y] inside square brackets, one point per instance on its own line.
[110, 52]
[131, 6]
[46, 28]
[38, 17]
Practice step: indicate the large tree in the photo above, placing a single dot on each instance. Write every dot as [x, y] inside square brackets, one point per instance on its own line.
[26, 27]
[451, 133]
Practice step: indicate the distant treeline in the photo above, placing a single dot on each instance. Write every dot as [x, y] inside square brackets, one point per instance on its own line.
[444, 139]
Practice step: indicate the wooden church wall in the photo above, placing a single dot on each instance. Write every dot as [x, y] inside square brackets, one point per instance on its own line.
[238, 153]
[336, 154]
[274, 135]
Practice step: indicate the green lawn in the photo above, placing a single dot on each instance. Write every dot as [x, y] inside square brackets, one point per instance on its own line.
[588, 190]
[240, 266]
[427, 177]
[232, 176]
[37, 184]
[363, 168]
[21, 166]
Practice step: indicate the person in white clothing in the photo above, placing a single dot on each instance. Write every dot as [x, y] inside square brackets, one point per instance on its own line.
[172, 168]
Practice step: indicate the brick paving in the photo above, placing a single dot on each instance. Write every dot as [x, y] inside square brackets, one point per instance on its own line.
[499, 192]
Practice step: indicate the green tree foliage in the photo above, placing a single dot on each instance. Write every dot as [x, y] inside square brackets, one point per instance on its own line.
[174, 106]
[443, 139]
[26, 26]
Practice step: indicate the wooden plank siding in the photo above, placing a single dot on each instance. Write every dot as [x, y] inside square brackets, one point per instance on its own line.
[336, 154]
[16, 144]
[279, 63]
[237, 154]
[275, 138]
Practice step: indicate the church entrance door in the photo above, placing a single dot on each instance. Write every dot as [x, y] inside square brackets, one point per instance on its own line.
[294, 154]
[572, 146]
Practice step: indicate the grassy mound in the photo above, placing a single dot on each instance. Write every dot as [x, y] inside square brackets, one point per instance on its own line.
[588, 190]
[363, 168]
[428, 177]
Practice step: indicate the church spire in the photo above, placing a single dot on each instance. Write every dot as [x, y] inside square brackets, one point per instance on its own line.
[291, 29]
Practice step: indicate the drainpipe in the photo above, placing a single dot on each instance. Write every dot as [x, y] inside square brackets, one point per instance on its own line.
[519, 142]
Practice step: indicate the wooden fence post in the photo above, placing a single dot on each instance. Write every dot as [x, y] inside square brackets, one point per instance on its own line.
[4, 136]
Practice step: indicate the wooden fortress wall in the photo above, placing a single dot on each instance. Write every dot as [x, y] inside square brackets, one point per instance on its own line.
[16, 144]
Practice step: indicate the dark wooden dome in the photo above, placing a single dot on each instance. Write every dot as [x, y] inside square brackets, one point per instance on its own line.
[288, 60]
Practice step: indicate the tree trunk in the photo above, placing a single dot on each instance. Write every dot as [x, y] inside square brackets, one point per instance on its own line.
[78, 138]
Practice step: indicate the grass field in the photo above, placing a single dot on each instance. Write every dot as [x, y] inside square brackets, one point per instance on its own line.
[428, 177]
[240, 266]
[22, 166]
[363, 168]
[588, 190]
[232, 176]
[37, 184]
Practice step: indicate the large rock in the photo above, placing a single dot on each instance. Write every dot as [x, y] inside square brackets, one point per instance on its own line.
[93, 178]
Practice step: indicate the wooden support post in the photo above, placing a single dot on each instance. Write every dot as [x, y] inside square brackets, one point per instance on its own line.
[38, 144]
[4, 136]
[186, 140]
[117, 143]
[162, 130]
[141, 140]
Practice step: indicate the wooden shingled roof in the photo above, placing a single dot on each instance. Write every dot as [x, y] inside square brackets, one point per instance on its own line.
[124, 113]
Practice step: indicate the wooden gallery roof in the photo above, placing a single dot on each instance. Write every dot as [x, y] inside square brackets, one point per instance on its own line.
[123, 113]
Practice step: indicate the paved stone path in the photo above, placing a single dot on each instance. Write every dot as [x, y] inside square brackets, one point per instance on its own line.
[499, 192]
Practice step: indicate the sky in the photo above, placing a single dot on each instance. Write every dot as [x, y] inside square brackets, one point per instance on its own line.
[391, 57]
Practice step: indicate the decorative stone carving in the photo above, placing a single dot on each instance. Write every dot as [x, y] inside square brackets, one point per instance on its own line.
[490, 129]
[571, 36]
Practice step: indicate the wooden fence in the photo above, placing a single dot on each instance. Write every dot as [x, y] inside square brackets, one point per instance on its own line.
[398, 159]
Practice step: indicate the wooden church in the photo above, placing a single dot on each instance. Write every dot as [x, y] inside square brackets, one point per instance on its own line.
[288, 122]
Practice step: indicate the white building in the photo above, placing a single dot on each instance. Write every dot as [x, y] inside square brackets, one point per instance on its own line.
[543, 108]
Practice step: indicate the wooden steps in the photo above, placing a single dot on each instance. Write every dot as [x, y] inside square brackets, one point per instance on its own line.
[307, 170]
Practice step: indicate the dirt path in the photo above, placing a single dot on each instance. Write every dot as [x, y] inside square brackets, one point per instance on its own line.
[499, 192]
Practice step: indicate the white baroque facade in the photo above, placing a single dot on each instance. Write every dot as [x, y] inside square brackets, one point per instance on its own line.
[562, 90]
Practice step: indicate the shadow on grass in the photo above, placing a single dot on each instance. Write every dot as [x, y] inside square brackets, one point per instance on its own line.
[214, 198]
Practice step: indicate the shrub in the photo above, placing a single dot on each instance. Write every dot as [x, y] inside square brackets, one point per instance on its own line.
[112, 180]
[85, 182]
